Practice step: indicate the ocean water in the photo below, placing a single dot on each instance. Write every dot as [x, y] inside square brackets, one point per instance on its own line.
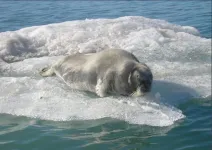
[173, 38]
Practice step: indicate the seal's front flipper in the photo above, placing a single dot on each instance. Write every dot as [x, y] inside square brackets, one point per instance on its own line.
[47, 71]
[100, 88]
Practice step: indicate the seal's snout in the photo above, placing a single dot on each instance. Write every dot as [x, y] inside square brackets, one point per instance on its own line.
[140, 79]
[146, 87]
[145, 90]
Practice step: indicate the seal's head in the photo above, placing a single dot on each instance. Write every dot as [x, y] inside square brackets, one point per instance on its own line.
[140, 80]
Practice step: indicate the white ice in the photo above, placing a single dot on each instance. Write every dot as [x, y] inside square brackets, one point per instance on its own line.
[178, 56]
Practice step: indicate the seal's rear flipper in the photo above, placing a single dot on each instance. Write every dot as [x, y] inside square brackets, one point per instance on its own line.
[47, 71]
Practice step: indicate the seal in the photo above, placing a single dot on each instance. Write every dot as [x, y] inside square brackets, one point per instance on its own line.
[112, 71]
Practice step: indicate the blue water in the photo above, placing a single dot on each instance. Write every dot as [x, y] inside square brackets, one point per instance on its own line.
[23, 14]
[192, 133]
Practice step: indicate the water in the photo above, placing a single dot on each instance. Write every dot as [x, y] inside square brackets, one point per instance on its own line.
[39, 113]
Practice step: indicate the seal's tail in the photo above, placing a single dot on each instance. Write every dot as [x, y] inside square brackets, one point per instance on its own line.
[47, 71]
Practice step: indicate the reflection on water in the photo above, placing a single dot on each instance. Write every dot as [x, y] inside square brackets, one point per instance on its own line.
[83, 133]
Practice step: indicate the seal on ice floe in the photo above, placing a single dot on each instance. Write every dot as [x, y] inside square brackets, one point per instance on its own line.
[112, 71]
